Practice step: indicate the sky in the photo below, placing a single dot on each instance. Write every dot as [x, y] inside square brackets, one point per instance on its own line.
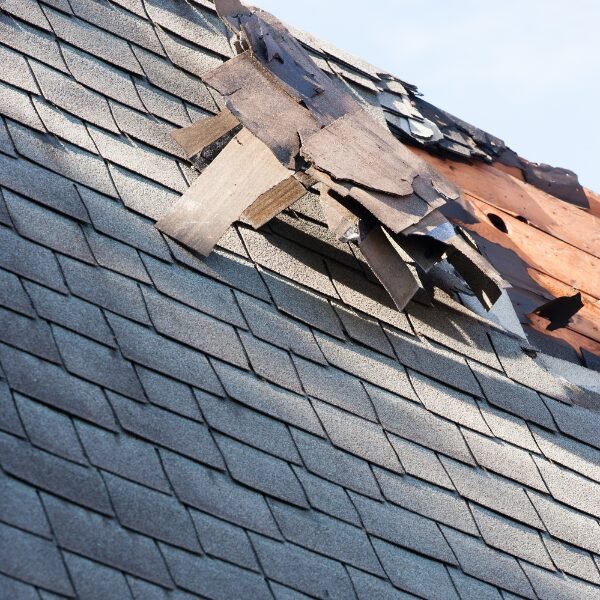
[527, 71]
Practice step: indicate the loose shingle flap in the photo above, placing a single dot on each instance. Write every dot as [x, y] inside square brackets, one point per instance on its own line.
[288, 127]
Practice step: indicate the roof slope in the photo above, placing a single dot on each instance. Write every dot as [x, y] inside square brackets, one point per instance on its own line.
[259, 424]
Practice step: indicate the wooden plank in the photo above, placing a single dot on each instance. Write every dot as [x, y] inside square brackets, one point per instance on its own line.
[594, 202]
[257, 99]
[245, 170]
[199, 136]
[343, 223]
[271, 203]
[388, 266]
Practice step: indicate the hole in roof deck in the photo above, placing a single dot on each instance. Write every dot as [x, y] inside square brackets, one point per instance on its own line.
[497, 222]
[522, 219]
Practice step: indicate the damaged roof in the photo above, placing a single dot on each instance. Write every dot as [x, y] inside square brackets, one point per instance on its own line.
[262, 422]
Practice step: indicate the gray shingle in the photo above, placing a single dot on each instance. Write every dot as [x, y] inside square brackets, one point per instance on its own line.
[93, 40]
[453, 405]
[412, 421]
[185, 436]
[364, 330]
[105, 288]
[16, 589]
[41, 185]
[16, 104]
[517, 399]
[505, 459]
[224, 540]
[327, 536]
[115, 256]
[470, 588]
[413, 573]
[328, 497]
[213, 578]
[195, 329]
[6, 147]
[420, 462]
[31, 41]
[215, 493]
[569, 488]
[577, 422]
[427, 500]
[16, 71]
[71, 96]
[146, 348]
[322, 459]
[48, 228]
[103, 540]
[571, 454]
[508, 427]
[363, 438]
[248, 426]
[267, 324]
[282, 592]
[171, 79]
[29, 260]
[52, 385]
[152, 513]
[31, 335]
[50, 430]
[12, 294]
[552, 586]
[163, 105]
[266, 398]
[403, 528]
[120, 22]
[318, 576]
[63, 158]
[98, 364]
[32, 559]
[20, 506]
[142, 590]
[336, 387]
[54, 474]
[28, 10]
[511, 537]
[92, 580]
[9, 418]
[368, 587]
[303, 304]
[490, 565]
[271, 363]
[195, 290]
[572, 560]
[497, 493]
[123, 455]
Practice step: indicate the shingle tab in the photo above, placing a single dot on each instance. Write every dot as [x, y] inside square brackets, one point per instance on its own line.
[580, 423]
[54, 474]
[101, 539]
[467, 587]
[16, 104]
[336, 387]
[185, 436]
[12, 294]
[552, 586]
[368, 587]
[205, 490]
[27, 334]
[365, 330]
[20, 506]
[318, 576]
[16, 589]
[261, 471]
[497, 493]
[427, 500]
[92, 580]
[415, 423]
[50, 430]
[52, 385]
[214, 578]
[224, 540]
[195, 329]
[162, 104]
[98, 364]
[32, 559]
[152, 513]
[6, 147]
[28, 10]
[508, 427]
[363, 438]
[9, 418]
[414, 573]
[266, 398]
[123, 455]
[572, 560]
[322, 459]
[16, 71]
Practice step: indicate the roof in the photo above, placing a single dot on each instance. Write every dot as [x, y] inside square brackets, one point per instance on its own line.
[261, 423]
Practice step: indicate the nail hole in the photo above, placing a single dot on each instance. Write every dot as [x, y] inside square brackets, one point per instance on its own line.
[498, 222]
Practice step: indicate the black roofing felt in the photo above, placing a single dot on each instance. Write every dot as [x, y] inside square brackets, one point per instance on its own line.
[260, 424]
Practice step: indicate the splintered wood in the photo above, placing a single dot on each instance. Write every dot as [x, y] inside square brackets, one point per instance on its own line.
[294, 127]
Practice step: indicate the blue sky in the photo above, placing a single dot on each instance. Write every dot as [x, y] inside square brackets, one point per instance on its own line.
[527, 71]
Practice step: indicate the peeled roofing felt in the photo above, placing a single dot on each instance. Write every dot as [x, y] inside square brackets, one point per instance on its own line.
[236, 425]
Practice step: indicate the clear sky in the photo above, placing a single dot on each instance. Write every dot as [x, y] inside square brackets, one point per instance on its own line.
[527, 71]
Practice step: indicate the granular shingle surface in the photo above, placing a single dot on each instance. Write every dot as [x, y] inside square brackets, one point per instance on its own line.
[259, 424]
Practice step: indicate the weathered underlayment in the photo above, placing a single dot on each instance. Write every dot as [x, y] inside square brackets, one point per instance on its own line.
[259, 424]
